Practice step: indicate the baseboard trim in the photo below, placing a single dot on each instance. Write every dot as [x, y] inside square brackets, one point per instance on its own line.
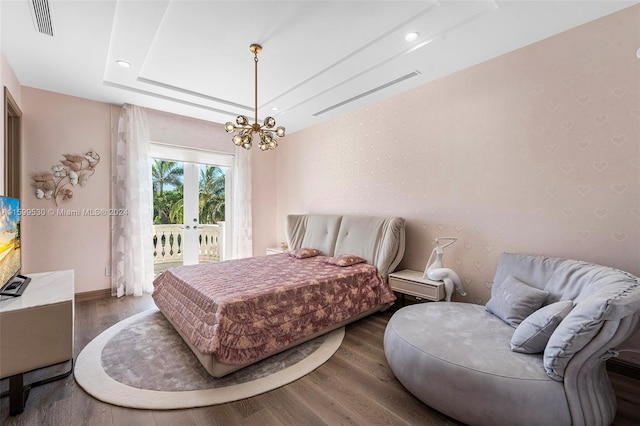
[92, 295]
[624, 368]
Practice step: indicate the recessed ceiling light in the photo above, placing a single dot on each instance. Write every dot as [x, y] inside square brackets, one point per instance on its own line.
[275, 109]
[123, 64]
[411, 36]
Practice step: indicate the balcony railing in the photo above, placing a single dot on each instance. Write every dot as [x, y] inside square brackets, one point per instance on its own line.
[168, 243]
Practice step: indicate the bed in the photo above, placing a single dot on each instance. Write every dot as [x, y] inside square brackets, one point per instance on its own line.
[236, 312]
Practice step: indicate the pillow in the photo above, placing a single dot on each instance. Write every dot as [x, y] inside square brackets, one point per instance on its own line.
[345, 260]
[303, 253]
[532, 335]
[514, 300]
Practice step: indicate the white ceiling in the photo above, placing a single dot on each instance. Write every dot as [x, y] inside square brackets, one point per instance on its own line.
[320, 58]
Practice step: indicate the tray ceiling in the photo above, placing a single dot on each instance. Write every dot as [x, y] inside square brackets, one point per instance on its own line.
[320, 58]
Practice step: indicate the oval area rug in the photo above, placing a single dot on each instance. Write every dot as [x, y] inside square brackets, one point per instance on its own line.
[142, 362]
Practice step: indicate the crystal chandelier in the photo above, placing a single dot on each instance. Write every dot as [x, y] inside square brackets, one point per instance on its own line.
[245, 131]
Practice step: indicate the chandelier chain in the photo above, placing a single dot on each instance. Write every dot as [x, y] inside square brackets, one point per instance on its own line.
[255, 59]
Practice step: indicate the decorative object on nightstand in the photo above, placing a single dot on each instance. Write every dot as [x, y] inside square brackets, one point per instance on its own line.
[284, 247]
[414, 284]
[435, 271]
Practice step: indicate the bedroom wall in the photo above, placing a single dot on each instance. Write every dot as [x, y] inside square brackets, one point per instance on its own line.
[7, 79]
[264, 196]
[53, 125]
[536, 151]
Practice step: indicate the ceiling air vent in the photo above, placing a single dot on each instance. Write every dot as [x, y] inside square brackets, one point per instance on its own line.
[41, 12]
[368, 92]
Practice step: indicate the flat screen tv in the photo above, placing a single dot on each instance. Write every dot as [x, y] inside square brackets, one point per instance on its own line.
[13, 284]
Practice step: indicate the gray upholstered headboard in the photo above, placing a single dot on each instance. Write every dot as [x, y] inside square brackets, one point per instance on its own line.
[380, 240]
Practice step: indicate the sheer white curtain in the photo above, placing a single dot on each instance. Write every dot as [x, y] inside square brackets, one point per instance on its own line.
[131, 233]
[241, 224]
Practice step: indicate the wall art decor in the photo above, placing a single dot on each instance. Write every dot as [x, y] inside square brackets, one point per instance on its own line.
[74, 170]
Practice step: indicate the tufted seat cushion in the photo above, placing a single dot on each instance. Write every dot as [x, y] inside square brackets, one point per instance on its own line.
[465, 367]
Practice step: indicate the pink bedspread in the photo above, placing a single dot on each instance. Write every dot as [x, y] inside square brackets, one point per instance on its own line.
[243, 309]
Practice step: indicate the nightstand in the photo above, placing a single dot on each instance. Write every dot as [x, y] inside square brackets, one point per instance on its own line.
[275, 250]
[412, 283]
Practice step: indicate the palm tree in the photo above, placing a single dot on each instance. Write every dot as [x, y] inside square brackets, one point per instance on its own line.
[212, 191]
[165, 173]
[176, 213]
[211, 197]
[163, 205]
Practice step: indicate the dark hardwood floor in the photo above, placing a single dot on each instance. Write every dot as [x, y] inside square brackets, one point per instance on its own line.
[354, 387]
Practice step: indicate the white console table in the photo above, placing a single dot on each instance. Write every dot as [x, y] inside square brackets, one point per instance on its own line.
[36, 331]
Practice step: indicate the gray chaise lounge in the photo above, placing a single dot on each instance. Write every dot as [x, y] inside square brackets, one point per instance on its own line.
[458, 358]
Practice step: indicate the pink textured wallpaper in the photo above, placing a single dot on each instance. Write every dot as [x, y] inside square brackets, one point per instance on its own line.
[54, 125]
[536, 151]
